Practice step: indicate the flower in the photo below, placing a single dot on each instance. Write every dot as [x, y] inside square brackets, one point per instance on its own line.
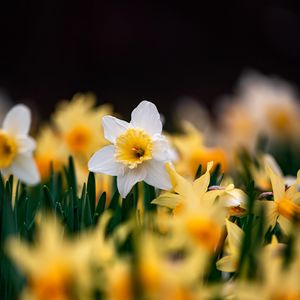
[193, 151]
[286, 205]
[16, 146]
[49, 150]
[77, 121]
[138, 151]
[57, 268]
[196, 213]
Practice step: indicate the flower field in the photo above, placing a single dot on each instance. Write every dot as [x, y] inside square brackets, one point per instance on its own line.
[97, 207]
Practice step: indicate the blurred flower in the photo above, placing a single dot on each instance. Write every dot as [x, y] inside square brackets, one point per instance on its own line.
[232, 198]
[237, 128]
[78, 123]
[49, 151]
[193, 152]
[138, 151]
[196, 214]
[56, 268]
[16, 146]
[286, 205]
[272, 103]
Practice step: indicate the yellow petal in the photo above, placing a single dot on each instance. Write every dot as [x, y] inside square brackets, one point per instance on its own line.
[180, 184]
[168, 199]
[227, 263]
[271, 213]
[201, 184]
[235, 237]
[277, 182]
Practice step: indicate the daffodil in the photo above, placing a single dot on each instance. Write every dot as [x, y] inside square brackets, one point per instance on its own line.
[16, 146]
[138, 151]
[77, 122]
[272, 104]
[286, 205]
[49, 151]
[193, 151]
[56, 268]
[196, 215]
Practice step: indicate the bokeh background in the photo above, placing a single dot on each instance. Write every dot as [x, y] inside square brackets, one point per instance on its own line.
[126, 51]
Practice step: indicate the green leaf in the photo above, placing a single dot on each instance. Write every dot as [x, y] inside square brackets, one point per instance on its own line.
[91, 190]
[100, 207]
[48, 200]
[198, 172]
[114, 202]
[149, 195]
[87, 212]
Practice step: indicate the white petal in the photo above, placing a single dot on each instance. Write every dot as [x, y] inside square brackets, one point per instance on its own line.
[25, 169]
[113, 127]
[157, 175]
[25, 144]
[161, 149]
[103, 161]
[17, 120]
[146, 116]
[129, 179]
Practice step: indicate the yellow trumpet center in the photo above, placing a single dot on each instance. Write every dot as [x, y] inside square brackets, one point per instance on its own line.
[288, 209]
[204, 231]
[133, 147]
[8, 149]
[78, 139]
[53, 284]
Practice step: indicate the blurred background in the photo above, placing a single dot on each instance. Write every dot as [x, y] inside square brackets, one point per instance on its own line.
[127, 51]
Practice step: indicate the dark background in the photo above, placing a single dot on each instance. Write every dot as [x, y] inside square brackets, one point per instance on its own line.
[127, 51]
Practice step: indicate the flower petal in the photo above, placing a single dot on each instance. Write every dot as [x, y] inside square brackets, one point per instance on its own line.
[227, 264]
[103, 161]
[25, 144]
[17, 120]
[146, 116]
[167, 199]
[235, 237]
[161, 149]
[129, 179]
[113, 127]
[25, 169]
[201, 184]
[157, 175]
[278, 184]
[180, 185]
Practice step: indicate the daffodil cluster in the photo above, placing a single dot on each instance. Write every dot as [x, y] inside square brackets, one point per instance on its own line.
[102, 208]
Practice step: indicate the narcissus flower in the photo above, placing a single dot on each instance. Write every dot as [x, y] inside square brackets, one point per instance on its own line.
[285, 209]
[16, 146]
[138, 151]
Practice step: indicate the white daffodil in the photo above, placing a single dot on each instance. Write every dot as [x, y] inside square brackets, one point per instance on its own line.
[16, 146]
[138, 152]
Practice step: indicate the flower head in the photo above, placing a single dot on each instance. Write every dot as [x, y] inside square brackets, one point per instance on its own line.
[77, 122]
[16, 146]
[138, 151]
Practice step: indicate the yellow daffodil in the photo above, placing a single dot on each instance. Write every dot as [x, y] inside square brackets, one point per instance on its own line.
[49, 151]
[193, 152]
[196, 214]
[56, 268]
[16, 146]
[78, 123]
[138, 151]
[286, 205]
